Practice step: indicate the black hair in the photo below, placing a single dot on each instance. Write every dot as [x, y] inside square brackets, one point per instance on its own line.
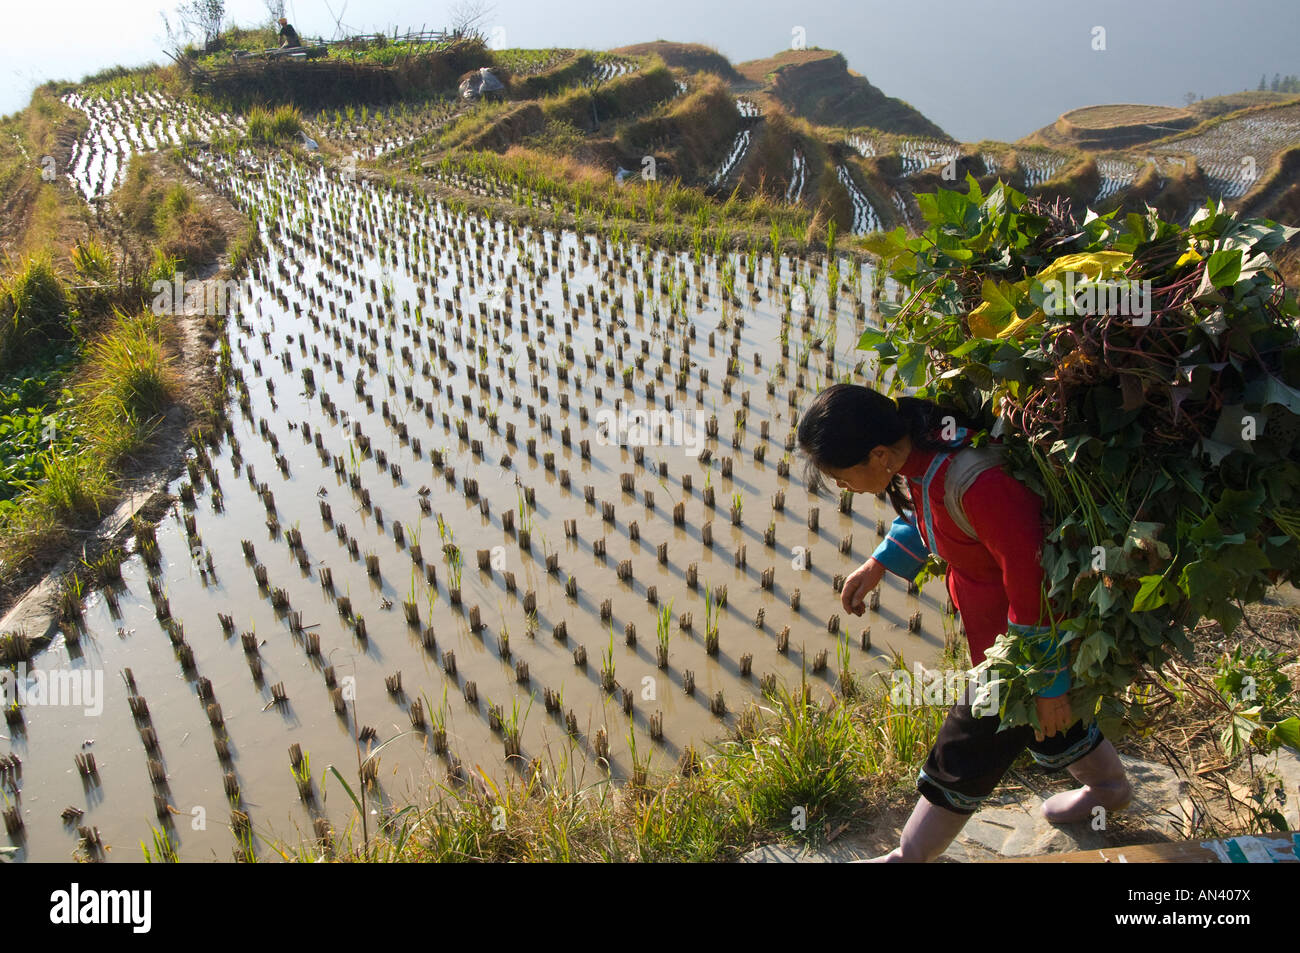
[847, 421]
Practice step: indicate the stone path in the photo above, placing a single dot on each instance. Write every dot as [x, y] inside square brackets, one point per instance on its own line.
[1014, 827]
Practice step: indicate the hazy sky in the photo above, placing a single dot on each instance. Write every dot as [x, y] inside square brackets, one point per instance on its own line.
[995, 69]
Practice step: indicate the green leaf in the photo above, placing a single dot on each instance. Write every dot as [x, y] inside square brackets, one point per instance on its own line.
[343, 781]
[1103, 597]
[1206, 581]
[1215, 450]
[1150, 595]
[928, 203]
[911, 370]
[1224, 268]
[1094, 650]
[1286, 732]
[999, 296]
[375, 753]
[871, 338]
[1276, 392]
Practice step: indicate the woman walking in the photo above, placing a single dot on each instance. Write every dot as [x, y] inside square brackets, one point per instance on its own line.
[987, 526]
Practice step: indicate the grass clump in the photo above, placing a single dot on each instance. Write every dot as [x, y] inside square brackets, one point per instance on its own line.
[186, 231]
[246, 247]
[35, 310]
[271, 126]
[130, 375]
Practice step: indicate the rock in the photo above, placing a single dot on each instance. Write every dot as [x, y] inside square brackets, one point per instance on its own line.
[1020, 830]
[782, 854]
[480, 84]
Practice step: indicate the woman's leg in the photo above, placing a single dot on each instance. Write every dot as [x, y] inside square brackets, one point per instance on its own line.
[1104, 785]
[926, 835]
[966, 763]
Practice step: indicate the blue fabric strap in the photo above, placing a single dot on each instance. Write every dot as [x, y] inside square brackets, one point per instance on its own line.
[925, 487]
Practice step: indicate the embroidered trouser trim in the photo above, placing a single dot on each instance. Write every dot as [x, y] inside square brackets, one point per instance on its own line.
[970, 756]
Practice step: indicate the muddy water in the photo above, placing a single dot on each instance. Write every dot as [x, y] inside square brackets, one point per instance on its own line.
[285, 324]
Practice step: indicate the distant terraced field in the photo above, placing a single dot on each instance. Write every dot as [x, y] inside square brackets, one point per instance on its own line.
[1233, 153]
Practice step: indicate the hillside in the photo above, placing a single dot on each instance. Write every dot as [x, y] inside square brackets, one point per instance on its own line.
[691, 57]
[798, 134]
[818, 85]
[1112, 126]
[1116, 125]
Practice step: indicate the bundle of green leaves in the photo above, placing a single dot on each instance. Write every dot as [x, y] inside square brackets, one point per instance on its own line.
[1163, 439]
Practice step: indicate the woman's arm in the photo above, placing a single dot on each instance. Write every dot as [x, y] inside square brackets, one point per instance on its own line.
[1007, 517]
[901, 551]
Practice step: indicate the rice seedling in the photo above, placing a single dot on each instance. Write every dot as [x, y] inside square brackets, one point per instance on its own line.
[711, 621]
[455, 567]
[848, 686]
[300, 768]
[607, 663]
[662, 633]
[163, 852]
[512, 727]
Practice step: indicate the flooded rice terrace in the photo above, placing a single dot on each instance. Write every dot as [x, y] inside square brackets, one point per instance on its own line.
[435, 517]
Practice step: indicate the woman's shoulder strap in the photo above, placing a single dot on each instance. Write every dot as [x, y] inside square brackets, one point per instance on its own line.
[966, 465]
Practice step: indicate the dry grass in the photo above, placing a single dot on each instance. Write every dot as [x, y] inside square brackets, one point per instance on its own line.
[691, 57]
[1114, 126]
[35, 214]
[168, 215]
[843, 761]
[1277, 193]
[1123, 114]
[1077, 181]
[818, 85]
[620, 98]
[693, 132]
[1187, 715]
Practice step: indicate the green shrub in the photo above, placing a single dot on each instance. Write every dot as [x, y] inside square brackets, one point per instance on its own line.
[1162, 431]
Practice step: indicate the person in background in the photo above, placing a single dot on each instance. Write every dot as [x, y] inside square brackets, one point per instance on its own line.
[288, 35]
[868, 443]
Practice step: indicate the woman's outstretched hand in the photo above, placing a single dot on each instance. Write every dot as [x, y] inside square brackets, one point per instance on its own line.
[861, 581]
